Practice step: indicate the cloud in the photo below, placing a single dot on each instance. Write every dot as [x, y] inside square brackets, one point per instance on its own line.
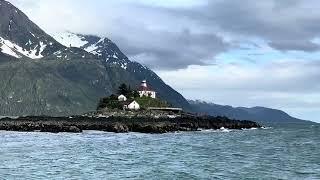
[155, 31]
[293, 45]
[148, 33]
[176, 50]
[175, 34]
[278, 76]
[284, 84]
[285, 24]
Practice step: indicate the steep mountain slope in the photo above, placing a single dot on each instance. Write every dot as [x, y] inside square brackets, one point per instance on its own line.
[6, 58]
[51, 87]
[20, 37]
[130, 72]
[260, 114]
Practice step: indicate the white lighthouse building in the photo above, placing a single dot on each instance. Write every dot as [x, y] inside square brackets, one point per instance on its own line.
[145, 90]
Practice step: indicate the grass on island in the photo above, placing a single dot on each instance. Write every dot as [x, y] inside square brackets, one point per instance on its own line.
[112, 102]
[146, 102]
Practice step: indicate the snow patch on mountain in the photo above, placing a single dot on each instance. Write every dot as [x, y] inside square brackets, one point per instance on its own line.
[7, 50]
[15, 50]
[69, 39]
[92, 49]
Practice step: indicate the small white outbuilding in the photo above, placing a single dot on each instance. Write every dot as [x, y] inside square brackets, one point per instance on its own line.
[134, 106]
[122, 98]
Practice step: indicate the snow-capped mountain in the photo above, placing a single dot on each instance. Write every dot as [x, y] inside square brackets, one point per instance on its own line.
[20, 37]
[101, 47]
[106, 50]
[73, 73]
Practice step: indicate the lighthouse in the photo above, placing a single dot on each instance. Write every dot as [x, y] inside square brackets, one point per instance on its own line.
[145, 90]
[144, 84]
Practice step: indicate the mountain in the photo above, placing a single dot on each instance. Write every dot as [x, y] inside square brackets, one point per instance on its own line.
[259, 114]
[43, 76]
[131, 72]
[20, 37]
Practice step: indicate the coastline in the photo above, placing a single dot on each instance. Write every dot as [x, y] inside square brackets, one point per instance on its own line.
[77, 124]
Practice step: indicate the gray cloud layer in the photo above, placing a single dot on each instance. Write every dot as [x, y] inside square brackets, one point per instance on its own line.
[165, 37]
[286, 24]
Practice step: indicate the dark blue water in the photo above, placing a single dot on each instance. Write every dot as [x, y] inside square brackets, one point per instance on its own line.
[291, 152]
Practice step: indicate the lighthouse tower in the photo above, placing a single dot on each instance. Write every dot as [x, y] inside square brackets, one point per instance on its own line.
[145, 90]
[144, 84]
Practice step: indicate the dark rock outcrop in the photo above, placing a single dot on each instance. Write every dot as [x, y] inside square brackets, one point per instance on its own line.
[77, 124]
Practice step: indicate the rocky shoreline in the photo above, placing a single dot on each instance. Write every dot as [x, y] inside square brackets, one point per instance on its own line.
[77, 124]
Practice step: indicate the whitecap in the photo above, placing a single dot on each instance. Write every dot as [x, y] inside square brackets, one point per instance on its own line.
[208, 130]
[246, 129]
[223, 129]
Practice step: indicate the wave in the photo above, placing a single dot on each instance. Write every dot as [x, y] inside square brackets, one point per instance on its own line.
[266, 128]
[223, 129]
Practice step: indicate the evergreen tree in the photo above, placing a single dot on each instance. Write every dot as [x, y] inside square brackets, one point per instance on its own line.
[135, 94]
[124, 90]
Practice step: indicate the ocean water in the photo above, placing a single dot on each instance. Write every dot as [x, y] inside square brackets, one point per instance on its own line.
[291, 152]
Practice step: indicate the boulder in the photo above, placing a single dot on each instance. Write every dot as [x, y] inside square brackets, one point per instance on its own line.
[74, 129]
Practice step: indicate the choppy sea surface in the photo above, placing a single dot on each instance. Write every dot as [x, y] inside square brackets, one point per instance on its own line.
[287, 152]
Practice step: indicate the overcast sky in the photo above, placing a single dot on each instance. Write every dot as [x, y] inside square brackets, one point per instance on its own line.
[234, 52]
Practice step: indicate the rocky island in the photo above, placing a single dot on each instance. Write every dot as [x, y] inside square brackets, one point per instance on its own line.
[119, 124]
[140, 112]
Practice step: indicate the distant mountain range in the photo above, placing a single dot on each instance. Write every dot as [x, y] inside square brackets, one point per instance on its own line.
[259, 114]
[67, 73]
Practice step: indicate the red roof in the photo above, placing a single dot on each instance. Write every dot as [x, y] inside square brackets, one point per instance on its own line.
[143, 88]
